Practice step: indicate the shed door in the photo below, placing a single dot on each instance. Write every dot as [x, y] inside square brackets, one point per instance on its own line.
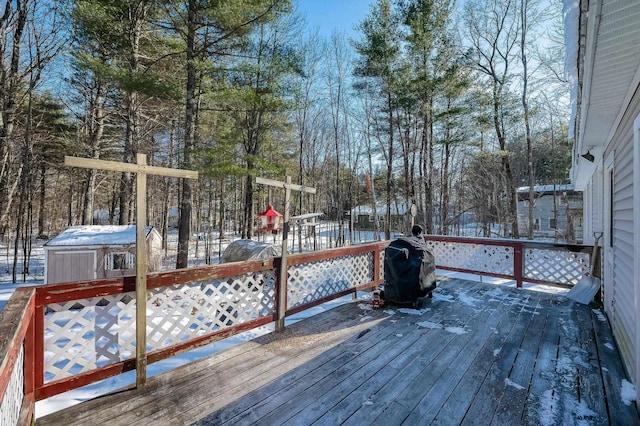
[68, 266]
[623, 262]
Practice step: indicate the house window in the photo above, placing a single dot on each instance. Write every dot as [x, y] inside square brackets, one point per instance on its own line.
[552, 223]
[536, 224]
[577, 222]
[119, 260]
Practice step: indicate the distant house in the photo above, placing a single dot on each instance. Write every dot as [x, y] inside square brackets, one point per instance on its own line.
[362, 215]
[84, 253]
[546, 222]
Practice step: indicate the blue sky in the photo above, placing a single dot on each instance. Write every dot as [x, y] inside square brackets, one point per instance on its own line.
[328, 15]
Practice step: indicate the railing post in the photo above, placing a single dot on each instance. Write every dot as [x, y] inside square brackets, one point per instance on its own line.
[38, 360]
[376, 264]
[518, 264]
[30, 353]
[281, 291]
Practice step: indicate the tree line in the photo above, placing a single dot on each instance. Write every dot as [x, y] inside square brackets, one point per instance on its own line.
[443, 105]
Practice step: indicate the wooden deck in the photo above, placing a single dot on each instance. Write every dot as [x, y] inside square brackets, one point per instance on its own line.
[479, 354]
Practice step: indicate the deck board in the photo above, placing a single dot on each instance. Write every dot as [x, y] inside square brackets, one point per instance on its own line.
[612, 372]
[479, 353]
[447, 371]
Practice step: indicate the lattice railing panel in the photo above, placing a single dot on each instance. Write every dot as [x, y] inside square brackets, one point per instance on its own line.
[12, 399]
[473, 256]
[182, 312]
[83, 335]
[559, 266]
[312, 281]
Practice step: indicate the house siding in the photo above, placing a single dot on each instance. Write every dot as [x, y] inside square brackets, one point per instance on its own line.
[623, 288]
[543, 212]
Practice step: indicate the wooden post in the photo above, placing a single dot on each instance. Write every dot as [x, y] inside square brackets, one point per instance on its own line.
[282, 279]
[141, 273]
[142, 170]
[518, 264]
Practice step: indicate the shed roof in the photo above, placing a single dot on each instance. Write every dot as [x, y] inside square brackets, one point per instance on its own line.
[96, 235]
[569, 189]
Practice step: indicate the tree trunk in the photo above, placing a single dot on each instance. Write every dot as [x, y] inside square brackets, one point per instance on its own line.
[9, 84]
[249, 209]
[41, 205]
[184, 227]
[96, 131]
[428, 214]
[512, 199]
[24, 188]
[387, 224]
[525, 107]
[444, 219]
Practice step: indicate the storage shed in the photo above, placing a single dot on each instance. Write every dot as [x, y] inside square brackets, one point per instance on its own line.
[83, 253]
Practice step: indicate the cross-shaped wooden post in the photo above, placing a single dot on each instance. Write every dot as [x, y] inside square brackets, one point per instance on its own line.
[141, 170]
[282, 281]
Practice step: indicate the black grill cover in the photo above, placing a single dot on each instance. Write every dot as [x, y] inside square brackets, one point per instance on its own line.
[409, 270]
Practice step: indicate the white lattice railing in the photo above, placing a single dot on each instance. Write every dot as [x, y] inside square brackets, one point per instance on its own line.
[89, 329]
[17, 358]
[313, 281]
[474, 256]
[551, 264]
[520, 260]
[14, 393]
[84, 332]
[87, 334]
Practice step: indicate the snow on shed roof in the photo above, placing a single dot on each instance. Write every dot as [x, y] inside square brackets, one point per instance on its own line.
[96, 235]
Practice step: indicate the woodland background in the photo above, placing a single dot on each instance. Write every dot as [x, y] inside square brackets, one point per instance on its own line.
[446, 105]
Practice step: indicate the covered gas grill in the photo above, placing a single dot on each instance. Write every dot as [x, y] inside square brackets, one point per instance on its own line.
[409, 271]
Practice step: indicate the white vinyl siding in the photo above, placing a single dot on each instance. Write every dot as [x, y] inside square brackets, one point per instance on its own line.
[623, 291]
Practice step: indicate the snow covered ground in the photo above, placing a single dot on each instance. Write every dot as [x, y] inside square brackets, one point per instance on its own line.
[36, 275]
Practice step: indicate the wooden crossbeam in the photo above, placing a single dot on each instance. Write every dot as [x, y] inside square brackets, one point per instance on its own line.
[286, 185]
[141, 169]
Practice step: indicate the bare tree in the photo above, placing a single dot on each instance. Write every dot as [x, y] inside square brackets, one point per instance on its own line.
[30, 37]
[307, 98]
[337, 72]
[492, 30]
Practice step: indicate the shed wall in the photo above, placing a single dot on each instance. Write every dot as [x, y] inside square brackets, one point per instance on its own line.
[70, 265]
